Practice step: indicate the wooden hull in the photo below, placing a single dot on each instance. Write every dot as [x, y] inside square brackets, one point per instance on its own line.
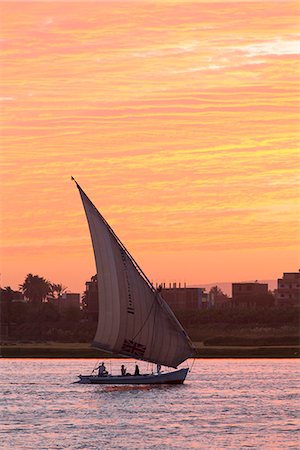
[176, 377]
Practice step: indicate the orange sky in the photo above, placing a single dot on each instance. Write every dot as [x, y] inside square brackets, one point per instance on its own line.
[180, 121]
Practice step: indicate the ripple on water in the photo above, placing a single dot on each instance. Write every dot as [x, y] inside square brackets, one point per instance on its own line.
[223, 404]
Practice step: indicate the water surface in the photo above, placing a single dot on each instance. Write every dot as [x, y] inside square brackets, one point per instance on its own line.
[224, 404]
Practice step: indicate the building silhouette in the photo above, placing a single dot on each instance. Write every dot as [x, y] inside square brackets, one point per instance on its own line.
[91, 299]
[184, 298]
[249, 294]
[69, 300]
[288, 289]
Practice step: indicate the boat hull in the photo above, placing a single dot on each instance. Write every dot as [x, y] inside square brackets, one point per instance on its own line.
[176, 377]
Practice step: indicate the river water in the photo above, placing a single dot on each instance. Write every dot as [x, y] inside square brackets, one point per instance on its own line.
[224, 404]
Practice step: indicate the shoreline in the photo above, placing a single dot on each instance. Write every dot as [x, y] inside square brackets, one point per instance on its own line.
[75, 350]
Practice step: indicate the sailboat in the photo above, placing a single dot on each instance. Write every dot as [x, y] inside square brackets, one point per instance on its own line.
[133, 319]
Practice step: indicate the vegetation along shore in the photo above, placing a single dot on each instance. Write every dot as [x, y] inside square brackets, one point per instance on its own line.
[39, 329]
[76, 350]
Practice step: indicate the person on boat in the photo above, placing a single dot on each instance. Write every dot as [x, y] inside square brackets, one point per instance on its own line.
[123, 370]
[102, 372]
[158, 368]
[137, 370]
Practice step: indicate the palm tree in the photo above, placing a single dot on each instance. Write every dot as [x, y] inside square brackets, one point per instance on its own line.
[57, 290]
[7, 293]
[35, 288]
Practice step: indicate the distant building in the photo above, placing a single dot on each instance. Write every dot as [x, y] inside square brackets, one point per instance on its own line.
[184, 298]
[288, 289]
[91, 298]
[69, 300]
[249, 294]
[8, 297]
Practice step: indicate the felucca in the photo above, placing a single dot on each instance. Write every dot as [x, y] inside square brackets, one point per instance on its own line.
[133, 319]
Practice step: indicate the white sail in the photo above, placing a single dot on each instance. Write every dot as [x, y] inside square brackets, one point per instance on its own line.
[133, 319]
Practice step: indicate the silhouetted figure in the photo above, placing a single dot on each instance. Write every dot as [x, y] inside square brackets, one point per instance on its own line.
[102, 370]
[158, 368]
[123, 370]
[137, 370]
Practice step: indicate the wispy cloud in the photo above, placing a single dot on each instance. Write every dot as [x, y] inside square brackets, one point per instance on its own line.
[273, 47]
[180, 119]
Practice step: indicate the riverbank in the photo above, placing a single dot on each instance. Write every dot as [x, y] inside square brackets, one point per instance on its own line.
[78, 350]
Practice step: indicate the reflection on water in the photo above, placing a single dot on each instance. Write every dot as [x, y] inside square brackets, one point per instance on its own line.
[231, 404]
[129, 388]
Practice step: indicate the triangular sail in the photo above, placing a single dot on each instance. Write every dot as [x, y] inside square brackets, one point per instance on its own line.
[133, 319]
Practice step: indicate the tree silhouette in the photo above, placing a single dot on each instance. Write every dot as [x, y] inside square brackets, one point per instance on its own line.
[57, 290]
[7, 293]
[217, 291]
[35, 288]
[217, 296]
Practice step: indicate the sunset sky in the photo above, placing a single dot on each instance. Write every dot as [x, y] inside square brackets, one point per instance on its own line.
[180, 120]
